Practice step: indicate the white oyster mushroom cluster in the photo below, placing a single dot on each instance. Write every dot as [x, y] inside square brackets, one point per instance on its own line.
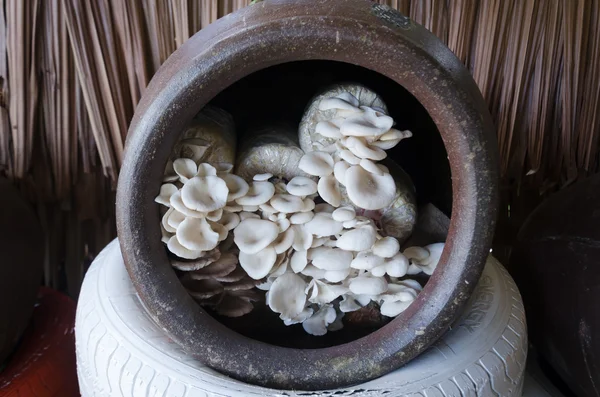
[361, 137]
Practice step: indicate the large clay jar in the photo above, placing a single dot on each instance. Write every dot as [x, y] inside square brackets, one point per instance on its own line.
[21, 253]
[338, 36]
[556, 263]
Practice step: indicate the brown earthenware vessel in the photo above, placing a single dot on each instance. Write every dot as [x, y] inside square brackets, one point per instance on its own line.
[270, 33]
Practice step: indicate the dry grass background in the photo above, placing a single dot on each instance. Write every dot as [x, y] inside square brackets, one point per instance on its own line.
[72, 72]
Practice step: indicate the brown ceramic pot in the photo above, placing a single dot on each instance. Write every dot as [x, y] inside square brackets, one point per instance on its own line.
[271, 33]
[22, 254]
[556, 264]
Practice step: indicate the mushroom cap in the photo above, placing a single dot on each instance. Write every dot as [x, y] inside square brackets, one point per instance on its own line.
[301, 186]
[230, 220]
[301, 218]
[236, 275]
[302, 238]
[335, 276]
[318, 322]
[328, 258]
[258, 193]
[328, 129]
[219, 229]
[250, 208]
[369, 191]
[298, 261]
[329, 190]
[344, 214]
[185, 168]
[314, 272]
[392, 309]
[233, 207]
[319, 241]
[237, 186]
[360, 148]
[367, 123]
[365, 285]
[339, 171]
[359, 239]
[244, 284]
[324, 207]
[205, 194]
[206, 169]
[253, 235]
[165, 221]
[316, 163]
[177, 203]
[166, 191]
[262, 177]
[366, 260]
[202, 289]
[397, 266]
[386, 247]
[226, 264]
[205, 258]
[349, 304]
[259, 264]
[309, 205]
[248, 215]
[321, 292]
[176, 248]
[286, 295]
[371, 167]
[284, 241]
[305, 314]
[197, 234]
[223, 168]
[287, 203]
[323, 224]
[348, 157]
[341, 103]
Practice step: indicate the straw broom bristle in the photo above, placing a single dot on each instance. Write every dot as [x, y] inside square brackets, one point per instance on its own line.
[71, 76]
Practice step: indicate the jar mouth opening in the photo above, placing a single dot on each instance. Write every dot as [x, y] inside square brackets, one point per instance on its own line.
[279, 95]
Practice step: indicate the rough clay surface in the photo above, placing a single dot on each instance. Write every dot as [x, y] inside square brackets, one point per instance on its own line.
[121, 352]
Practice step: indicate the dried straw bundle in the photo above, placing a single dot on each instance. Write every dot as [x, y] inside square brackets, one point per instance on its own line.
[71, 76]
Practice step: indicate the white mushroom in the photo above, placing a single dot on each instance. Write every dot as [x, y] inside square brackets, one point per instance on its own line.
[425, 259]
[166, 191]
[258, 264]
[302, 238]
[266, 208]
[205, 194]
[314, 272]
[175, 218]
[298, 261]
[286, 295]
[365, 285]
[287, 203]
[259, 193]
[284, 241]
[170, 175]
[185, 168]
[319, 241]
[196, 234]
[386, 247]
[361, 149]
[300, 318]
[329, 190]
[350, 224]
[397, 266]
[178, 205]
[349, 157]
[165, 221]
[309, 205]
[323, 224]
[328, 129]
[253, 235]
[215, 215]
[318, 322]
[223, 168]
[316, 163]
[165, 235]
[344, 214]
[176, 248]
[206, 169]
[248, 215]
[368, 123]
[237, 186]
[339, 171]
[283, 224]
[280, 266]
[349, 304]
[371, 167]
[262, 177]
[250, 208]
[366, 260]
[391, 139]
[392, 309]
[320, 292]
[220, 229]
[301, 218]
[230, 220]
[335, 276]
[233, 207]
[360, 239]
[369, 191]
[345, 102]
[328, 258]
[301, 186]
